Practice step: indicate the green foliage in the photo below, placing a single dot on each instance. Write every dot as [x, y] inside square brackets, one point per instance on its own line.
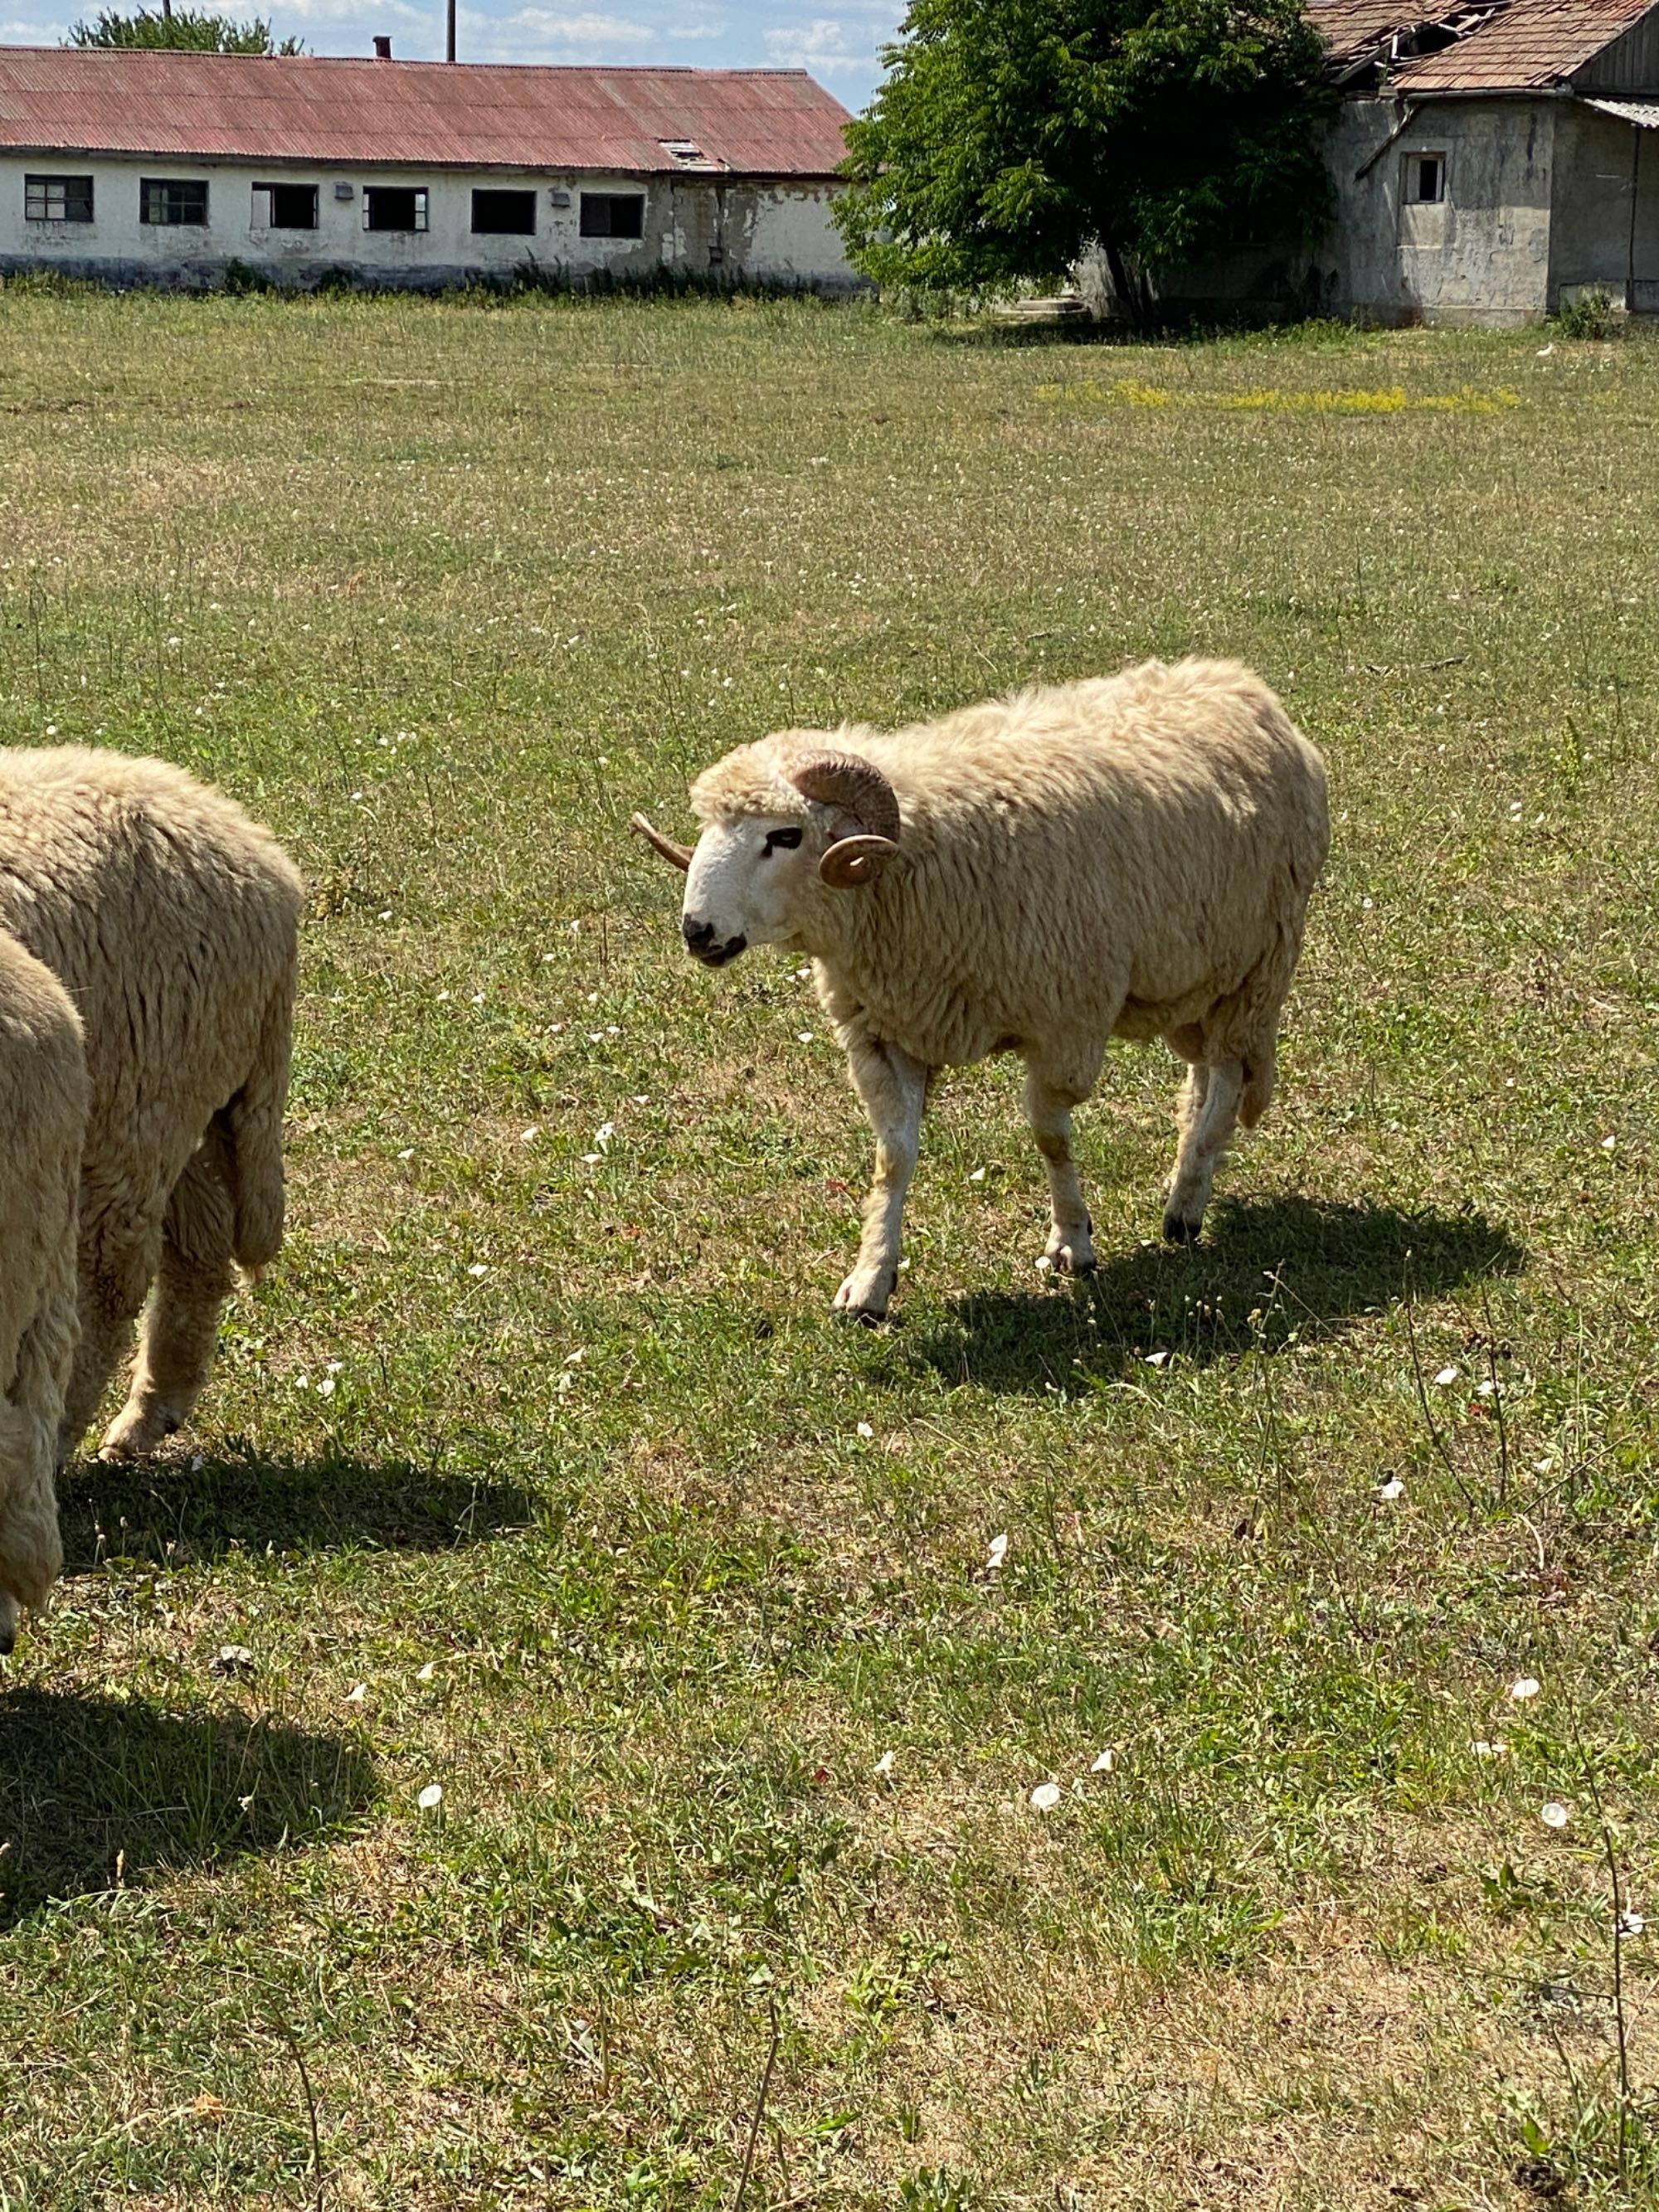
[1589, 316]
[184, 30]
[1011, 136]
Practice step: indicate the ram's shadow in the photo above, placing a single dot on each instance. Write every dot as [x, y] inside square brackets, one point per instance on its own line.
[96, 1795]
[182, 1511]
[1267, 1267]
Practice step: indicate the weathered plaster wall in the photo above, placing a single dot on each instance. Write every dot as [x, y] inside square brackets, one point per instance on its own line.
[1480, 256]
[731, 230]
[1605, 235]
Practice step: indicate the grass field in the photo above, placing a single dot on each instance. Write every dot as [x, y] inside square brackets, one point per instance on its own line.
[539, 1470]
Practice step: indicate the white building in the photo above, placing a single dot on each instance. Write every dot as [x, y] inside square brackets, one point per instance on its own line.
[172, 168]
[1491, 161]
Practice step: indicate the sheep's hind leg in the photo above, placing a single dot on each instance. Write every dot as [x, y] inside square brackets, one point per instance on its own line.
[1048, 1103]
[181, 1324]
[1209, 1112]
[894, 1089]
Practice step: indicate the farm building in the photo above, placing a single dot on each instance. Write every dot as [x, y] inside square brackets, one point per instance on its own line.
[1491, 161]
[169, 167]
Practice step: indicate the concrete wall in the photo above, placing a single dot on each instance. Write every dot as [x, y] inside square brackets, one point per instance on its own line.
[1605, 236]
[1480, 256]
[730, 229]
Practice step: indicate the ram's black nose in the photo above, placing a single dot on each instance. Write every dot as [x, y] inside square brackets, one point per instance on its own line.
[702, 945]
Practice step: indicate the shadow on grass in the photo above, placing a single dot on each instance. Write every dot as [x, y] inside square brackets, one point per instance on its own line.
[96, 1795]
[1294, 1263]
[249, 1503]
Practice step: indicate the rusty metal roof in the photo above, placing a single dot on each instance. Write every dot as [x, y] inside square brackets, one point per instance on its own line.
[765, 123]
[1526, 47]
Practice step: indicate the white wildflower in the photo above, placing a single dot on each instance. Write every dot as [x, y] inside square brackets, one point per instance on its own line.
[884, 1764]
[1104, 1762]
[1528, 1686]
[431, 1797]
[425, 1673]
[1392, 1489]
[1045, 1796]
[998, 1552]
[1555, 1814]
[1446, 1375]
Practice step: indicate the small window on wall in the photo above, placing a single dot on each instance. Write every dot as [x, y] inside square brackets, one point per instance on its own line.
[613, 214]
[1425, 179]
[58, 199]
[395, 207]
[504, 215]
[285, 207]
[172, 199]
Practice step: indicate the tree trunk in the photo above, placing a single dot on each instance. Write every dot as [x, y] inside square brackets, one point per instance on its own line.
[1128, 284]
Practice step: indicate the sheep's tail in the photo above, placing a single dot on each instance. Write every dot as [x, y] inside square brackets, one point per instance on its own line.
[252, 1124]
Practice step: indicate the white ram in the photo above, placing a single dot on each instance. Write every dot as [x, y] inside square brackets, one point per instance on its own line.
[1128, 856]
[43, 1112]
[172, 922]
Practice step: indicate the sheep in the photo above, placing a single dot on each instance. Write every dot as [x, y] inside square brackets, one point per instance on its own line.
[1125, 856]
[172, 921]
[43, 1111]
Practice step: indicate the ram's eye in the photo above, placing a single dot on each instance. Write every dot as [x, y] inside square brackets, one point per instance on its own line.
[780, 841]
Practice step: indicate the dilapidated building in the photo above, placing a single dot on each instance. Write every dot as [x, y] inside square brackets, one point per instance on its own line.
[1491, 161]
[173, 168]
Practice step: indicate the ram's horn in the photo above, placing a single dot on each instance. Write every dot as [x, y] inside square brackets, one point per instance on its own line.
[852, 862]
[859, 786]
[675, 855]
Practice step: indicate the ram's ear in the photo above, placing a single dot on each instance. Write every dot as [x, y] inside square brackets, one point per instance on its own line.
[852, 862]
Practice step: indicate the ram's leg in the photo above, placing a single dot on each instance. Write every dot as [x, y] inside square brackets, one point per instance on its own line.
[181, 1327]
[1209, 1111]
[118, 1260]
[894, 1089]
[1049, 1103]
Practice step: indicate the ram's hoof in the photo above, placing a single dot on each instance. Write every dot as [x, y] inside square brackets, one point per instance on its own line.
[865, 1298]
[1179, 1231]
[137, 1431]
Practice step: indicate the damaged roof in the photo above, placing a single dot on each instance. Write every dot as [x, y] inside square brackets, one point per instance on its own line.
[1477, 46]
[267, 108]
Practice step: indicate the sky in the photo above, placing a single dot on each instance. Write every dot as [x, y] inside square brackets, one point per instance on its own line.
[838, 40]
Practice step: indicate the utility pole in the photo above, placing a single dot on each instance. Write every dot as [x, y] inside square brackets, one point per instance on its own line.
[449, 53]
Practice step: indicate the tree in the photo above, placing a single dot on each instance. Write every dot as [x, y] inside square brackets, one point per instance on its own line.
[1011, 136]
[184, 29]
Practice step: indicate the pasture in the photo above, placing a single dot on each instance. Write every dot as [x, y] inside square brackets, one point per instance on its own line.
[538, 1471]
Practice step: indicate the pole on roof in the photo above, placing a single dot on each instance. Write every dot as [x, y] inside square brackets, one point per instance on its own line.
[449, 52]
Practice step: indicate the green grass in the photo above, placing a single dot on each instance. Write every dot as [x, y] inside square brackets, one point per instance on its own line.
[564, 1460]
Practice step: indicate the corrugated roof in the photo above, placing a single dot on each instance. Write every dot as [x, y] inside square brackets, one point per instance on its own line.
[769, 123]
[1643, 113]
[1528, 45]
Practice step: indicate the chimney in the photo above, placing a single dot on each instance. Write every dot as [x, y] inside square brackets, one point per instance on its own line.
[382, 50]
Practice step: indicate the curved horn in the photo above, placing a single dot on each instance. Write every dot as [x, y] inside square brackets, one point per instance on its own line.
[851, 862]
[677, 856]
[844, 779]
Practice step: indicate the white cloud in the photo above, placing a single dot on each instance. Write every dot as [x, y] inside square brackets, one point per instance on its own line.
[533, 34]
[829, 45]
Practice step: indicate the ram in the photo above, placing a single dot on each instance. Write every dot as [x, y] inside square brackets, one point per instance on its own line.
[172, 922]
[43, 1112]
[1128, 856]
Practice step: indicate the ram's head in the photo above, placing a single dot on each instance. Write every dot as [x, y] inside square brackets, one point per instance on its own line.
[772, 817]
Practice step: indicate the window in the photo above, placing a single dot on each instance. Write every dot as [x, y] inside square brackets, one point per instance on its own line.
[285, 207]
[504, 215]
[167, 199]
[394, 207]
[1425, 179]
[58, 199]
[613, 214]
[683, 149]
